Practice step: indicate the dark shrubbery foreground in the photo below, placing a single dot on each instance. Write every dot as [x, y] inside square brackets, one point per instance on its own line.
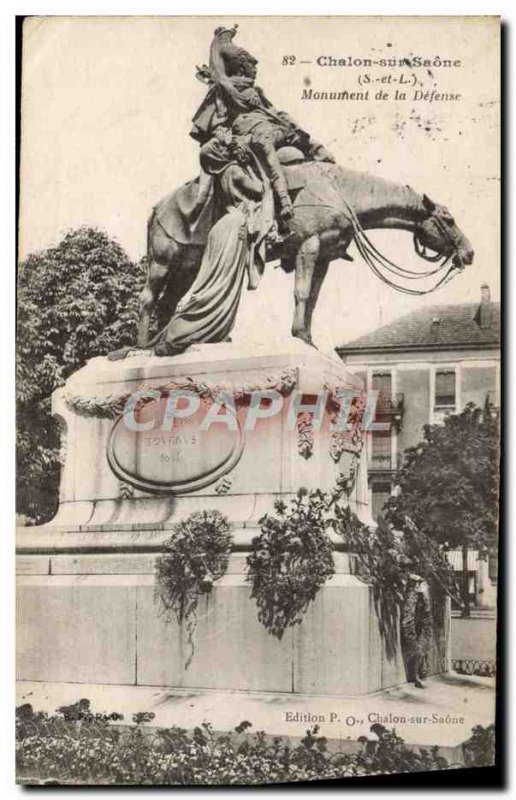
[78, 746]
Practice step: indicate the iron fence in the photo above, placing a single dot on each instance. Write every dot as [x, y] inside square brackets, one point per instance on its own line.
[482, 667]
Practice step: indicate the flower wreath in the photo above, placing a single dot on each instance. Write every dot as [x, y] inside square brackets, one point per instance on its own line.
[192, 560]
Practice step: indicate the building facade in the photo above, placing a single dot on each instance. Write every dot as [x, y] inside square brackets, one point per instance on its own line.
[425, 365]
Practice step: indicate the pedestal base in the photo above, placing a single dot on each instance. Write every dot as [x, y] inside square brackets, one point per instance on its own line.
[86, 611]
[94, 620]
[114, 475]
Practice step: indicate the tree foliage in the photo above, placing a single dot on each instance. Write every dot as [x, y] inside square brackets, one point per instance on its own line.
[75, 301]
[449, 482]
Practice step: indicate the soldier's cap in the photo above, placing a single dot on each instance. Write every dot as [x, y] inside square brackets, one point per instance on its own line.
[232, 31]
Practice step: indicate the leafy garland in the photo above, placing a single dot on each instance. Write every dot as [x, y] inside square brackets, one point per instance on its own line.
[290, 560]
[293, 557]
[375, 559]
[195, 556]
[386, 559]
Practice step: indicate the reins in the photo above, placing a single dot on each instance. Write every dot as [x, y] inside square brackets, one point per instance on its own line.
[377, 262]
[380, 264]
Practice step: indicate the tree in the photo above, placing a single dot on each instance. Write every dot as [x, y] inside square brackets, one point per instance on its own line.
[75, 301]
[448, 484]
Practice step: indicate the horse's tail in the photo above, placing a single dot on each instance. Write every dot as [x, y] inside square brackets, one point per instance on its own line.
[150, 224]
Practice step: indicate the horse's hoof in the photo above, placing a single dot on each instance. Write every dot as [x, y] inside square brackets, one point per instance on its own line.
[306, 339]
[168, 349]
[162, 349]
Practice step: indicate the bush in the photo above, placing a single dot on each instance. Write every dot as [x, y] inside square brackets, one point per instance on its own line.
[94, 751]
[479, 750]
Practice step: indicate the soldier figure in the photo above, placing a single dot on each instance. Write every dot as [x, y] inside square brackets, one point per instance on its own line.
[240, 108]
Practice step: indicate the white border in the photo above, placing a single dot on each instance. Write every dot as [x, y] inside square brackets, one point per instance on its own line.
[7, 149]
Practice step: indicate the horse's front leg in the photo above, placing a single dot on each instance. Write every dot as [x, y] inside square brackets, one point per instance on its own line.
[321, 268]
[305, 266]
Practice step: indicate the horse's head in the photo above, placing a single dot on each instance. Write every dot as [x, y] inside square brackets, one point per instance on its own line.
[438, 232]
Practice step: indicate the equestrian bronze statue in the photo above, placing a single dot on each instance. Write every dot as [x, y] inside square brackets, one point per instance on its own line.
[267, 192]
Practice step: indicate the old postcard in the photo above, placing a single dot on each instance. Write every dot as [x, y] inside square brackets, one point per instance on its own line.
[258, 392]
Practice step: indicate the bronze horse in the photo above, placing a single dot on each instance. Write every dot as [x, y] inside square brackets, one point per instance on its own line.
[330, 204]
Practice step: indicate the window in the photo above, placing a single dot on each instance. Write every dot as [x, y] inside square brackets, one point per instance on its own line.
[380, 495]
[381, 457]
[382, 382]
[445, 391]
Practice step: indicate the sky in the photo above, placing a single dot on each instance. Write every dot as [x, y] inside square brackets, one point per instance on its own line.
[106, 112]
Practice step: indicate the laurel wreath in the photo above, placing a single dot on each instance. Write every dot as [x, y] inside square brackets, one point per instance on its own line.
[290, 560]
[194, 557]
[111, 406]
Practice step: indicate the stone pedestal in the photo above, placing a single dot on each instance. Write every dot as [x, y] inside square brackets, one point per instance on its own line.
[86, 611]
